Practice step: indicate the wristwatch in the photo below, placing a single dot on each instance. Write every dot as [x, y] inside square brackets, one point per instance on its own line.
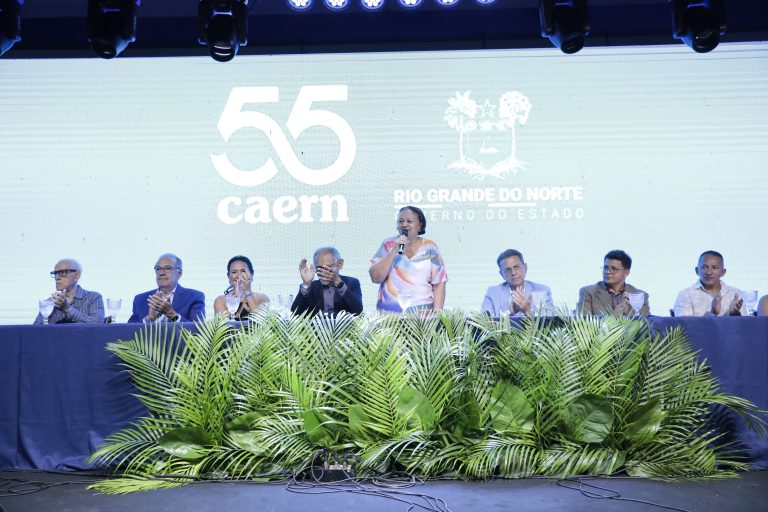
[174, 318]
[338, 286]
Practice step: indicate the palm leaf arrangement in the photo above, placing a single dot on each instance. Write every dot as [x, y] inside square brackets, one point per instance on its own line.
[452, 394]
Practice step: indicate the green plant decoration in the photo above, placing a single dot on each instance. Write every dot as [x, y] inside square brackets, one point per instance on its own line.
[452, 394]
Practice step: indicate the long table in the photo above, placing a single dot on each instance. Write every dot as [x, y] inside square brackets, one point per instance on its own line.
[62, 392]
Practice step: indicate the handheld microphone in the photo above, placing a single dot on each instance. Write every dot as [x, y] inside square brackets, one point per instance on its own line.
[401, 247]
[229, 289]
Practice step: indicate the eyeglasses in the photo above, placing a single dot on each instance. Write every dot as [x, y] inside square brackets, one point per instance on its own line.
[167, 268]
[62, 273]
[510, 271]
[611, 270]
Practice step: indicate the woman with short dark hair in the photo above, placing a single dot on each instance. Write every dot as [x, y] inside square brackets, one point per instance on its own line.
[412, 279]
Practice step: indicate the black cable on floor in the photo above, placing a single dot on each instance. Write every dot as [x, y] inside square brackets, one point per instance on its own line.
[388, 486]
[586, 489]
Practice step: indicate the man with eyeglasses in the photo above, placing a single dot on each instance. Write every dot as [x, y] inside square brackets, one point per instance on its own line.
[331, 293]
[516, 296]
[612, 295]
[170, 301]
[71, 303]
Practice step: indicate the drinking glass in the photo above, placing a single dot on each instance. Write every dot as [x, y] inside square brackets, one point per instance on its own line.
[46, 308]
[537, 302]
[636, 299]
[113, 308]
[233, 303]
[750, 300]
[285, 301]
[404, 299]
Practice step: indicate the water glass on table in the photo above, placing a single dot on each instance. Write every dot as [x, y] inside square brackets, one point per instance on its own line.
[233, 303]
[538, 303]
[46, 308]
[113, 308]
[285, 301]
[750, 300]
[404, 299]
[636, 300]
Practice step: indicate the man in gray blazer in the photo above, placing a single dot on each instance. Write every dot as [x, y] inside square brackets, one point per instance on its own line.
[516, 296]
[613, 295]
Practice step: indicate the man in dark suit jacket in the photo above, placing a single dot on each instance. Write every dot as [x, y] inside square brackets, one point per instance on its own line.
[612, 294]
[170, 302]
[331, 292]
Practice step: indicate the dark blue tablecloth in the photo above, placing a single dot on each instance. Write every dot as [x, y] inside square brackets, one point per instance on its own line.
[62, 393]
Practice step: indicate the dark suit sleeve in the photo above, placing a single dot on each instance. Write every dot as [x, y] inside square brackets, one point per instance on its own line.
[196, 310]
[138, 302]
[302, 304]
[352, 301]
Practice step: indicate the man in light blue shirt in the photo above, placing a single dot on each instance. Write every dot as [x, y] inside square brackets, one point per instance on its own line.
[516, 296]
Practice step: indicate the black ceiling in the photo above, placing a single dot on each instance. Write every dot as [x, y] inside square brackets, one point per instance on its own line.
[56, 28]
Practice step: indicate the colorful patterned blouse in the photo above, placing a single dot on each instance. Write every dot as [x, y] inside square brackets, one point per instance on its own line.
[414, 276]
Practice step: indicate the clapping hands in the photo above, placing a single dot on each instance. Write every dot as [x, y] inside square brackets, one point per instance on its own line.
[307, 272]
[519, 302]
[733, 310]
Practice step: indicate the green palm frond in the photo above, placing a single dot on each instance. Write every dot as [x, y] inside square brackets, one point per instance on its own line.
[447, 394]
[506, 457]
[151, 357]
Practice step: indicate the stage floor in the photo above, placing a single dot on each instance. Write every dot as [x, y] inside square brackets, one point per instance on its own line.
[748, 493]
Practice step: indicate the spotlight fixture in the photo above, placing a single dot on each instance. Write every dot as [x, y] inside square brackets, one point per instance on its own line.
[565, 23]
[409, 4]
[446, 3]
[111, 25]
[371, 5]
[336, 5]
[698, 23]
[300, 5]
[223, 27]
[10, 24]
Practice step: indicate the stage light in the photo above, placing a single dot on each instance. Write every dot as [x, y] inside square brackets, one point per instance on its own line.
[371, 5]
[10, 24]
[446, 3]
[336, 5]
[565, 23]
[485, 2]
[223, 27]
[111, 26]
[409, 4]
[300, 5]
[699, 24]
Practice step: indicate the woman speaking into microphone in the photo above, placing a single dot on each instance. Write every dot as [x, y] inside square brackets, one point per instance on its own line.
[409, 268]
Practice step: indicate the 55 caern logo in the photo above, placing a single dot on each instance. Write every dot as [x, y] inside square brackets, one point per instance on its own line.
[302, 117]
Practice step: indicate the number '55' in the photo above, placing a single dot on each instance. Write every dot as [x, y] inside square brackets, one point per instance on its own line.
[302, 117]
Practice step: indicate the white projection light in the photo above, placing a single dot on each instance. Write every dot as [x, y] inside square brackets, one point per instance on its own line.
[300, 5]
[410, 4]
[446, 3]
[372, 5]
[336, 5]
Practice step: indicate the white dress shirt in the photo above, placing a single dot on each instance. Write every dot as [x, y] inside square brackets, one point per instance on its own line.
[696, 301]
